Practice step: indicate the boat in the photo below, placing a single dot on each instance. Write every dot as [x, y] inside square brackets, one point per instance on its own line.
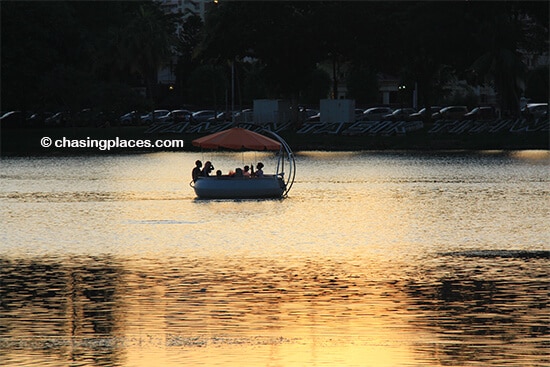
[275, 185]
[227, 187]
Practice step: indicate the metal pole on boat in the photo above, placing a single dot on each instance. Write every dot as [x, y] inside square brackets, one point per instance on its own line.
[281, 158]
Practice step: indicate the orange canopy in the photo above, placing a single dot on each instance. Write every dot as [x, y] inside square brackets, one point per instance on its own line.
[237, 138]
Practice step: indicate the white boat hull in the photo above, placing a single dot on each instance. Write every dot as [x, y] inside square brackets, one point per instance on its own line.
[226, 187]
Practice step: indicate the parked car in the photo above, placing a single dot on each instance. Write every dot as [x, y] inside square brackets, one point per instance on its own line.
[451, 113]
[314, 118]
[246, 115]
[130, 118]
[222, 116]
[535, 110]
[38, 119]
[481, 113]
[401, 114]
[12, 119]
[154, 116]
[90, 117]
[202, 116]
[376, 113]
[306, 113]
[423, 113]
[58, 119]
[176, 116]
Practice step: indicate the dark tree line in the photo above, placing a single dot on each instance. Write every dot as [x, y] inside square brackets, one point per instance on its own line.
[426, 43]
[73, 55]
[79, 54]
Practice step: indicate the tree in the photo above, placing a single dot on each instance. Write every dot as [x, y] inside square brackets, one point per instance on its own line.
[54, 53]
[317, 88]
[254, 84]
[146, 41]
[126, 42]
[434, 39]
[276, 34]
[34, 41]
[537, 84]
[209, 85]
[188, 40]
[501, 63]
[362, 84]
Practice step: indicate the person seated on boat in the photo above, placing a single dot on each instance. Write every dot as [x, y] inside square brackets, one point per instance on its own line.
[259, 172]
[196, 171]
[208, 167]
[246, 171]
[219, 173]
[238, 172]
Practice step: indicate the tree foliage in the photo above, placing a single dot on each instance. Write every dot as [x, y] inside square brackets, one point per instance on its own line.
[423, 42]
[54, 53]
[538, 87]
[362, 84]
[209, 85]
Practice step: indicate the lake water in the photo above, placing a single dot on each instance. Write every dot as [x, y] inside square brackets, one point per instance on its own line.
[374, 259]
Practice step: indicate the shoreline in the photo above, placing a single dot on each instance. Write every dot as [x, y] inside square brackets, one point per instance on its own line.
[27, 141]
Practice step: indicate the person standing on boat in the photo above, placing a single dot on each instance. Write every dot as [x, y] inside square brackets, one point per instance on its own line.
[196, 171]
[208, 167]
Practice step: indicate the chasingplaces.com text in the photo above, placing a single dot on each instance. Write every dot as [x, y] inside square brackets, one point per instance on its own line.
[108, 144]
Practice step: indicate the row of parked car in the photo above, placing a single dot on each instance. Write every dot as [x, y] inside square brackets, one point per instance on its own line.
[435, 112]
[439, 113]
[160, 116]
[181, 115]
[85, 117]
[90, 117]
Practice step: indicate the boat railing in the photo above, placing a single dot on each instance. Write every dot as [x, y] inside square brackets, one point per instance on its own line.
[288, 181]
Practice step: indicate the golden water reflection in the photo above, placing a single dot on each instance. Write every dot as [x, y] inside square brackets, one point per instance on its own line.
[471, 308]
[374, 259]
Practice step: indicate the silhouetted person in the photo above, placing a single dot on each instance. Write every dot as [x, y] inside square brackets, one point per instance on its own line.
[196, 171]
[208, 167]
[259, 172]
